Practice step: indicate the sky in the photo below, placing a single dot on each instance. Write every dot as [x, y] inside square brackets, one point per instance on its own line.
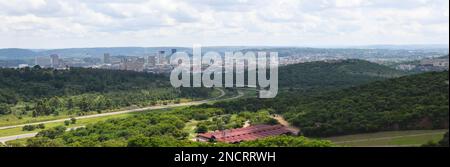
[112, 23]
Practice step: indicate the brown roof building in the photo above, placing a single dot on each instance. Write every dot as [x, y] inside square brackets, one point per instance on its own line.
[244, 134]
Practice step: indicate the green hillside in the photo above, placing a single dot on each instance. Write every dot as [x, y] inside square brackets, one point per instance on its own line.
[335, 74]
[372, 104]
[411, 102]
[42, 92]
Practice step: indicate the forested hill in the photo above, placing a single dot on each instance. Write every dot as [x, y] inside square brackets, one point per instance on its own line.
[80, 90]
[335, 74]
[31, 83]
[411, 102]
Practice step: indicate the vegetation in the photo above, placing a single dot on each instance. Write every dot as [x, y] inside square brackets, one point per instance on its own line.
[321, 98]
[332, 75]
[442, 143]
[405, 103]
[152, 129]
[404, 138]
[37, 92]
[412, 102]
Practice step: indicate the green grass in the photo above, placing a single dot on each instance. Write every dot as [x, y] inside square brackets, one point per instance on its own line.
[17, 143]
[80, 122]
[389, 139]
[190, 128]
[15, 119]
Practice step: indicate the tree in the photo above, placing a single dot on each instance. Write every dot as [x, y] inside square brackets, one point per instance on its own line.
[41, 126]
[444, 141]
[67, 122]
[4, 109]
[52, 133]
[70, 104]
[201, 128]
[28, 128]
[73, 120]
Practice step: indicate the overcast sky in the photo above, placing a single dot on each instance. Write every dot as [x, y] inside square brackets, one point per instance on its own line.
[107, 23]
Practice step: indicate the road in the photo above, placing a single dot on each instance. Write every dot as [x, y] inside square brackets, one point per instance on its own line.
[285, 123]
[124, 111]
[28, 135]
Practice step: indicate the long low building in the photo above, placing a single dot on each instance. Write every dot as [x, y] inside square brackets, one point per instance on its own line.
[244, 134]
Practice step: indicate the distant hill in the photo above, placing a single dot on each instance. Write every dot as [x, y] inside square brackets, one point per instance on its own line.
[408, 47]
[336, 74]
[371, 53]
[98, 52]
[19, 54]
[16, 54]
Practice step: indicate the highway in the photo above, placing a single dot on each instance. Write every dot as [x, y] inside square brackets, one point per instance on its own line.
[28, 135]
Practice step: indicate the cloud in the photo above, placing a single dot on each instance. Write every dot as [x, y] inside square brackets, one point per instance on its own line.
[81, 23]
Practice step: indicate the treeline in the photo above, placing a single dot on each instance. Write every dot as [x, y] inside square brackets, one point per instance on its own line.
[99, 102]
[30, 83]
[80, 90]
[410, 102]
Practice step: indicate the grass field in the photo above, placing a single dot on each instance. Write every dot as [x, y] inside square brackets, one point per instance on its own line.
[389, 139]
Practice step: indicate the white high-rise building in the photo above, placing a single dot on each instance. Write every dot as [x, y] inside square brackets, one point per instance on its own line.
[106, 58]
[54, 60]
[162, 57]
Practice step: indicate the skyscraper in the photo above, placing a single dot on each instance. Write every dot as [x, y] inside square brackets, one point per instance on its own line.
[151, 61]
[162, 57]
[54, 60]
[106, 58]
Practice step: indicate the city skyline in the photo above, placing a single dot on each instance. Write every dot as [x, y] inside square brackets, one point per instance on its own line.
[47, 24]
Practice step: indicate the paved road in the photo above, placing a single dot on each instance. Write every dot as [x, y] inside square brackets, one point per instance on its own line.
[28, 135]
[124, 111]
[21, 136]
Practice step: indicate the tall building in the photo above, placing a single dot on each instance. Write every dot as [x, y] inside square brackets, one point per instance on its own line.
[132, 64]
[162, 57]
[42, 61]
[106, 58]
[54, 60]
[151, 60]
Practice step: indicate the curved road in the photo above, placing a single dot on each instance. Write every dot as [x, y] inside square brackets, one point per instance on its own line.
[28, 135]
[124, 111]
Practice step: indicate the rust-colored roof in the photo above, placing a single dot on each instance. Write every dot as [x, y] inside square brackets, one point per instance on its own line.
[246, 134]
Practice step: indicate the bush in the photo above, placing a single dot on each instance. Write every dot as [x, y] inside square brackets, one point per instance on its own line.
[41, 126]
[28, 128]
[52, 133]
[67, 122]
[201, 129]
[73, 120]
[4, 109]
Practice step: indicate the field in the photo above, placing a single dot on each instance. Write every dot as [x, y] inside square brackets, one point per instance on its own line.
[389, 139]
